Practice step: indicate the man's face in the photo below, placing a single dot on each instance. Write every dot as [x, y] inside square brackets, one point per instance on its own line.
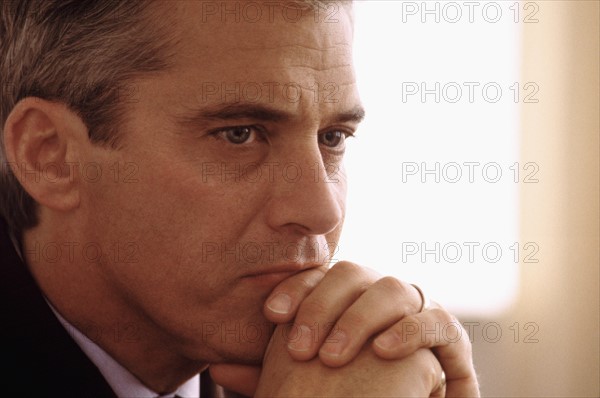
[230, 176]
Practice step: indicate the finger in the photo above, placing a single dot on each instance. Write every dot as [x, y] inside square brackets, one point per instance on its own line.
[457, 361]
[440, 390]
[431, 328]
[442, 332]
[340, 287]
[468, 387]
[431, 377]
[392, 299]
[283, 302]
[238, 378]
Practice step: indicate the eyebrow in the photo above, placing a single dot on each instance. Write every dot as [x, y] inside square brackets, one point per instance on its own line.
[258, 112]
[354, 115]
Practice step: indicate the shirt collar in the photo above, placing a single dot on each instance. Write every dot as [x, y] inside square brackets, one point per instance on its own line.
[15, 243]
[123, 383]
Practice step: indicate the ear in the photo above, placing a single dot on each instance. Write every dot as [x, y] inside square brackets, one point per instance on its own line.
[41, 140]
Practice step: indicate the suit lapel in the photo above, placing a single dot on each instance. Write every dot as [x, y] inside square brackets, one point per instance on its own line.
[39, 357]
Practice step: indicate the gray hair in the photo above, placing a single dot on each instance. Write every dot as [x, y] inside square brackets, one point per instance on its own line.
[81, 53]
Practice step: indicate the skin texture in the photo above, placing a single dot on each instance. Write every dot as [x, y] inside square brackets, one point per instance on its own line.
[177, 215]
[353, 380]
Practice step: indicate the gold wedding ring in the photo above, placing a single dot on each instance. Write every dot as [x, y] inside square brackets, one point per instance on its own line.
[425, 303]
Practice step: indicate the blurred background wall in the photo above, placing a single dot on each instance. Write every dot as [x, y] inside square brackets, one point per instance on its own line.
[560, 293]
[534, 323]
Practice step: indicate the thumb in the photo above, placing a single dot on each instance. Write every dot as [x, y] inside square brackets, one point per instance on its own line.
[242, 379]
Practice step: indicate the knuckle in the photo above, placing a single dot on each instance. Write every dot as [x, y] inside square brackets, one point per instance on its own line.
[305, 282]
[411, 320]
[465, 343]
[392, 284]
[301, 284]
[396, 332]
[346, 267]
[313, 308]
[409, 330]
[400, 292]
[353, 321]
[454, 333]
[352, 273]
[444, 316]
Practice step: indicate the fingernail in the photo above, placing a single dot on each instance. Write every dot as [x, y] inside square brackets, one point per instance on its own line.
[280, 304]
[335, 343]
[303, 340]
[387, 341]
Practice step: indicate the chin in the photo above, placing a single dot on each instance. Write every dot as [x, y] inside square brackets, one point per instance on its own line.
[249, 360]
[246, 345]
[243, 342]
[241, 353]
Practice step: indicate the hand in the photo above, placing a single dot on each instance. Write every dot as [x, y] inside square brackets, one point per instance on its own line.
[448, 340]
[350, 304]
[417, 375]
[335, 310]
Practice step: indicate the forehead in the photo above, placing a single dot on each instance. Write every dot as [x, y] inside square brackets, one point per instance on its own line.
[277, 33]
[219, 47]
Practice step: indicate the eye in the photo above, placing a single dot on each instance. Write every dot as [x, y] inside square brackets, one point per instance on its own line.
[238, 134]
[334, 139]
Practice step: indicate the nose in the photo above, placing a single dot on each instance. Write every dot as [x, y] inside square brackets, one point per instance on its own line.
[304, 198]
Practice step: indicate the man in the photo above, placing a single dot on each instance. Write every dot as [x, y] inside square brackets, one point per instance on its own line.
[173, 188]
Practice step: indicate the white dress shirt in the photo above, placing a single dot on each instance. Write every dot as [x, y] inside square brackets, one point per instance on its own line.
[123, 383]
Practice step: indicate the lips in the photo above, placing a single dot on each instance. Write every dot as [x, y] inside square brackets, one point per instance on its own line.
[270, 277]
[277, 274]
[289, 269]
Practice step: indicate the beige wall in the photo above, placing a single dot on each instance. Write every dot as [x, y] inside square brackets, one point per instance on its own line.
[560, 294]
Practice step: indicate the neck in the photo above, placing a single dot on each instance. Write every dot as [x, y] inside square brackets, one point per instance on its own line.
[73, 286]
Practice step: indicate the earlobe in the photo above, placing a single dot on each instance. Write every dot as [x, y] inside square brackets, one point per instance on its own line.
[40, 140]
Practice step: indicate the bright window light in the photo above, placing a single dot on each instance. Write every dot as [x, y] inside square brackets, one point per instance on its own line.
[434, 171]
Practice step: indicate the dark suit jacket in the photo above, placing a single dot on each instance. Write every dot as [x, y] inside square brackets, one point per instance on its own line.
[38, 357]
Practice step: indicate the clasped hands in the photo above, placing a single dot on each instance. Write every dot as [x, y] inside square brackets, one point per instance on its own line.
[355, 334]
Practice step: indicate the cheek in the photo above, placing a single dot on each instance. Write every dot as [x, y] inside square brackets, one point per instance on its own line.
[159, 209]
[341, 188]
[332, 238]
[170, 218]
